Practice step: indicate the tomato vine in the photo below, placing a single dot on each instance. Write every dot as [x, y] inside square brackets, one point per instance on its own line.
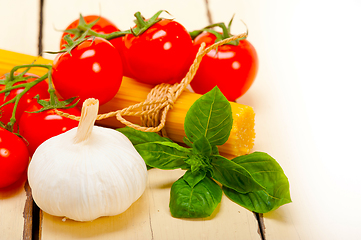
[11, 79]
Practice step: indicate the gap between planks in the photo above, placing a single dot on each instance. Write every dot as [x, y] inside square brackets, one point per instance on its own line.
[28, 214]
[261, 225]
[35, 221]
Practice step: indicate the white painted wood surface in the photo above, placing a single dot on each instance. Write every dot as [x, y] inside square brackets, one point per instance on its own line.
[305, 97]
[149, 218]
[19, 26]
[12, 212]
[19, 21]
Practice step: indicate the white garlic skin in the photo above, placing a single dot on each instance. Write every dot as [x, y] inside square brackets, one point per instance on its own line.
[101, 176]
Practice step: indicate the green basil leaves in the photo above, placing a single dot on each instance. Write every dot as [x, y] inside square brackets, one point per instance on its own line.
[269, 174]
[255, 181]
[210, 116]
[164, 155]
[194, 202]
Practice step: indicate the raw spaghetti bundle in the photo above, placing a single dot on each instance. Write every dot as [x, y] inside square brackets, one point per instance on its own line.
[160, 108]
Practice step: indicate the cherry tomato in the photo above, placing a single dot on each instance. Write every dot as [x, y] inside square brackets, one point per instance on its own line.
[103, 26]
[40, 89]
[231, 68]
[118, 43]
[14, 158]
[38, 127]
[93, 70]
[162, 54]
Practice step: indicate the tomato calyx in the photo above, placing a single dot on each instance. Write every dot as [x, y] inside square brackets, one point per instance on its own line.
[143, 25]
[11, 79]
[82, 28]
[82, 32]
[9, 82]
[72, 43]
[226, 32]
[55, 103]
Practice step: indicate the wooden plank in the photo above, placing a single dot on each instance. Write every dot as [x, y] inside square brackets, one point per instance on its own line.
[305, 117]
[324, 177]
[19, 25]
[16, 207]
[149, 218]
[19, 21]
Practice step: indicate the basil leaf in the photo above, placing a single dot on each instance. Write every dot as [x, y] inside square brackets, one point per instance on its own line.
[138, 137]
[187, 142]
[232, 175]
[197, 202]
[202, 146]
[267, 172]
[164, 155]
[209, 116]
[192, 178]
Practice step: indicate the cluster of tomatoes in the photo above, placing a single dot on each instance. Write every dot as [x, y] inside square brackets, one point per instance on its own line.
[155, 51]
[32, 126]
[94, 56]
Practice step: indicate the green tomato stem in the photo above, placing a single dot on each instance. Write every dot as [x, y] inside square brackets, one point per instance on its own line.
[26, 87]
[226, 32]
[109, 36]
[140, 21]
[51, 89]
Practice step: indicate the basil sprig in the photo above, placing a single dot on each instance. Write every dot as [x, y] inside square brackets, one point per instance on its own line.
[255, 181]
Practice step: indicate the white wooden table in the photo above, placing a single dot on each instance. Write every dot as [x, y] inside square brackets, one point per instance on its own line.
[307, 103]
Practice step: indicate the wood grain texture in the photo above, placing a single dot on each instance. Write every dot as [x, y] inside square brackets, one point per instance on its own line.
[149, 218]
[305, 98]
[15, 211]
[19, 21]
[19, 26]
[28, 214]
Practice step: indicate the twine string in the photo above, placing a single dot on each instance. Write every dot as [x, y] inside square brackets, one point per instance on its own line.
[160, 99]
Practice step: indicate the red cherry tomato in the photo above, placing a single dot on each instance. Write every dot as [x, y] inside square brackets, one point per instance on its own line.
[14, 158]
[38, 127]
[162, 54]
[118, 43]
[93, 70]
[103, 26]
[231, 68]
[40, 89]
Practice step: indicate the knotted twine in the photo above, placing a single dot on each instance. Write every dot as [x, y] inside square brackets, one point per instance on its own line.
[160, 99]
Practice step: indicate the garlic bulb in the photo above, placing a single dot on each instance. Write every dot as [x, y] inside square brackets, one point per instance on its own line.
[87, 172]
